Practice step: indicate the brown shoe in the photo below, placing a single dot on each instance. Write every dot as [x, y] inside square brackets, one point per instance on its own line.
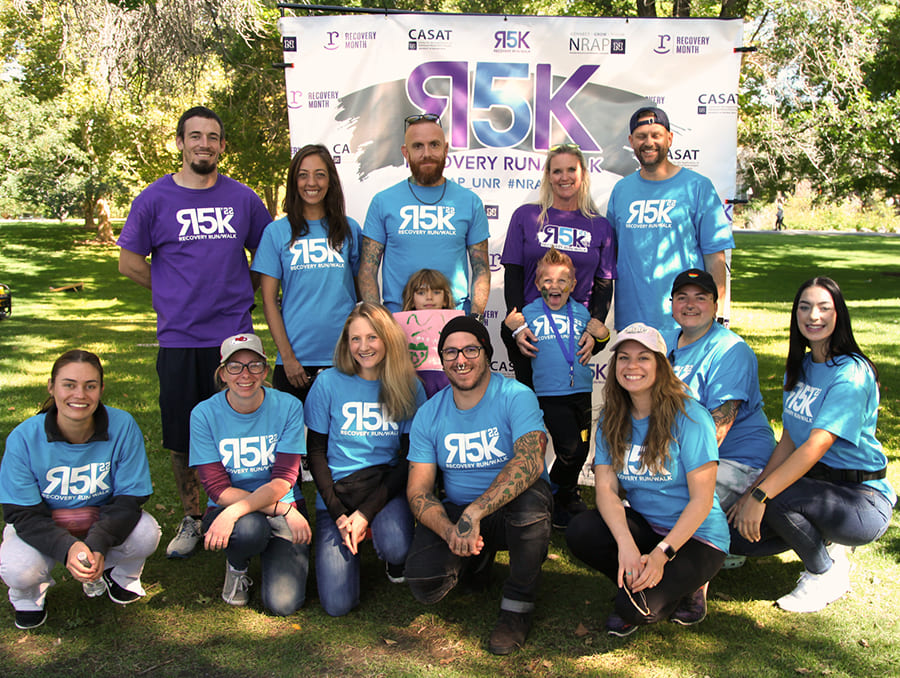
[510, 632]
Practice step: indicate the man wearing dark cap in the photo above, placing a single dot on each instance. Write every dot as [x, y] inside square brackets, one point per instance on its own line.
[667, 219]
[486, 435]
[721, 371]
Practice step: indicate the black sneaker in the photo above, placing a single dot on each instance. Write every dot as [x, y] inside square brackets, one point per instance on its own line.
[510, 632]
[395, 572]
[616, 626]
[30, 619]
[116, 593]
[692, 609]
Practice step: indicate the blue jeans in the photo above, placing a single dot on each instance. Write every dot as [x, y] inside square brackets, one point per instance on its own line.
[337, 570]
[284, 564]
[521, 527]
[810, 512]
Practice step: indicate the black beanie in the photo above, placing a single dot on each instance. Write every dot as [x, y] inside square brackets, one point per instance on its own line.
[466, 323]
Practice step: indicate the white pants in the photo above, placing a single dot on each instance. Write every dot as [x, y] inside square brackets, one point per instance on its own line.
[26, 571]
[732, 480]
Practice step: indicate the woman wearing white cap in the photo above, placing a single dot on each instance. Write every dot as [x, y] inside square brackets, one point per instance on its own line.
[246, 443]
[657, 444]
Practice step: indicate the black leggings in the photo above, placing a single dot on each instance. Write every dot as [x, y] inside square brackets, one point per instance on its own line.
[696, 563]
[568, 421]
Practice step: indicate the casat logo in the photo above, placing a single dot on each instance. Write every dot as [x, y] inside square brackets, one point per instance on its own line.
[429, 33]
[718, 98]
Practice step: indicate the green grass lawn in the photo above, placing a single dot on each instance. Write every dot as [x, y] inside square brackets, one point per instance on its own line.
[182, 628]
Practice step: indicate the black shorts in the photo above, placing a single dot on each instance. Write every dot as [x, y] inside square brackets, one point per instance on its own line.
[186, 377]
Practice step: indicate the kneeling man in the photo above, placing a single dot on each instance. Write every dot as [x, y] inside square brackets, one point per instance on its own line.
[486, 434]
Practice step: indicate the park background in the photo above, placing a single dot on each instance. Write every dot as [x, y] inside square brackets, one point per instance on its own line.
[90, 94]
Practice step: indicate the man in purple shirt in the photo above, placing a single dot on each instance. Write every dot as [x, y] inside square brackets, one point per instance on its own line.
[195, 225]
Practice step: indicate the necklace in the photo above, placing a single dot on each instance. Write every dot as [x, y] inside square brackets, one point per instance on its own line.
[441, 197]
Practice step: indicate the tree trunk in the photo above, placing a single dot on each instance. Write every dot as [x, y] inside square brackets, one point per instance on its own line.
[270, 194]
[681, 8]
[88, 209]
[104, 227]
[646, 8]
[733, 9]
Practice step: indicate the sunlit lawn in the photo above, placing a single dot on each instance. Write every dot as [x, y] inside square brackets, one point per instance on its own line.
[183, 628]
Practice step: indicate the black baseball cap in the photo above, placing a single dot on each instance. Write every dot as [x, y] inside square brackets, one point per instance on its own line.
[694, 276]
[659, 118]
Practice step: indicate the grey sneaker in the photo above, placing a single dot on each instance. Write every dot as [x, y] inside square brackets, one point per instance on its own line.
[692, 609]
[236, 590]
[616, 626]
[186, 538]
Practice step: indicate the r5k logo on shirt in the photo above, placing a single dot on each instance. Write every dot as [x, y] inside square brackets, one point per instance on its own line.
[77, 480]
[473, 448]
[205, 220]
[314, 251]
[359, 416]
[248, 453]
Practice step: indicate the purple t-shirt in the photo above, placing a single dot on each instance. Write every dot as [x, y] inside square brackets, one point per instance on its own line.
[590, 242]
[196, 239]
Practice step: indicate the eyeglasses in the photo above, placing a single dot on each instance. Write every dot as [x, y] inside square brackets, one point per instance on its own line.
[470, 352]
[639, 600]
[565, 147]
[235, 367]
[423, 117]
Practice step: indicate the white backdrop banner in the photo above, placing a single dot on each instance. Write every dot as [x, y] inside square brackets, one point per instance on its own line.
[507, 89]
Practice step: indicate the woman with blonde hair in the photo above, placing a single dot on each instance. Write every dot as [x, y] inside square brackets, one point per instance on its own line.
[657, 444]
[567, 219]
[358, 414]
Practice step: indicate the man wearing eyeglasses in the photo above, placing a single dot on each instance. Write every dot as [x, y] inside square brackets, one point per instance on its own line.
[486, 435]
[667, 219]
[721, 371]
[425, 221]
[196, 225]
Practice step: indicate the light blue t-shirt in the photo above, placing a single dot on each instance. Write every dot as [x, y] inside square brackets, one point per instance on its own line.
[661, 498]
[67, 475]
[432, 230]
[662, 228]
[246, 444]
[347, 409]
[471, 446]
[317, 285]
[839, 396]
[551, 368]
[720, 367]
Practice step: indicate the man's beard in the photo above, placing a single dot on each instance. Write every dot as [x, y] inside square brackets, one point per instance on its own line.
[427, 177]
[203, 168]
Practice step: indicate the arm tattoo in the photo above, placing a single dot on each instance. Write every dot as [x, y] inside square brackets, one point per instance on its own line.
[520, 473]
[421, 503]
[463, 526]
[726, 413]
[481, 275]
[370, 261]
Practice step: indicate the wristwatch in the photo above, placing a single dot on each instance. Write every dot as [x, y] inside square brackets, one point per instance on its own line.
[759, 494]
[666, 549]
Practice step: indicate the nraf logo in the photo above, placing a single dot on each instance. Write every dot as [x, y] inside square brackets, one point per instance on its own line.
[511, 40]
[289, 44]
[579, 44]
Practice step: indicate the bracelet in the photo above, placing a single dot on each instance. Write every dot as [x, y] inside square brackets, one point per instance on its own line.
[290, 506]
[518, 330]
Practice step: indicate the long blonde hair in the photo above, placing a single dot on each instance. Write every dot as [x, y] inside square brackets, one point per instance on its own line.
[396, 372]
[668, 398]
[585, 203]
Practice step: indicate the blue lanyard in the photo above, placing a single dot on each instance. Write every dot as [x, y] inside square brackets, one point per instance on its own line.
[570, 354]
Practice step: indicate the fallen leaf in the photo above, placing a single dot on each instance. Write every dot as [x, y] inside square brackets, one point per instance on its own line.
[864, 642]
[160, 507]
[581, 630]
[587, 602]
[447, 660]
[296, 627]
[388, 641]
[802, 670]
[552, 556]
[547, 663]
[58, 641]
[11, 409]
[22, 639]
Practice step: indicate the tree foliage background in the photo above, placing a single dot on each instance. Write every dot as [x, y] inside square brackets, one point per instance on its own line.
[90, 91]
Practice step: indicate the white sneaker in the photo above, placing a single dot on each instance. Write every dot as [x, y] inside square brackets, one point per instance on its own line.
[840, 554]
[185, 540]
[236, 590]
[814, 591]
